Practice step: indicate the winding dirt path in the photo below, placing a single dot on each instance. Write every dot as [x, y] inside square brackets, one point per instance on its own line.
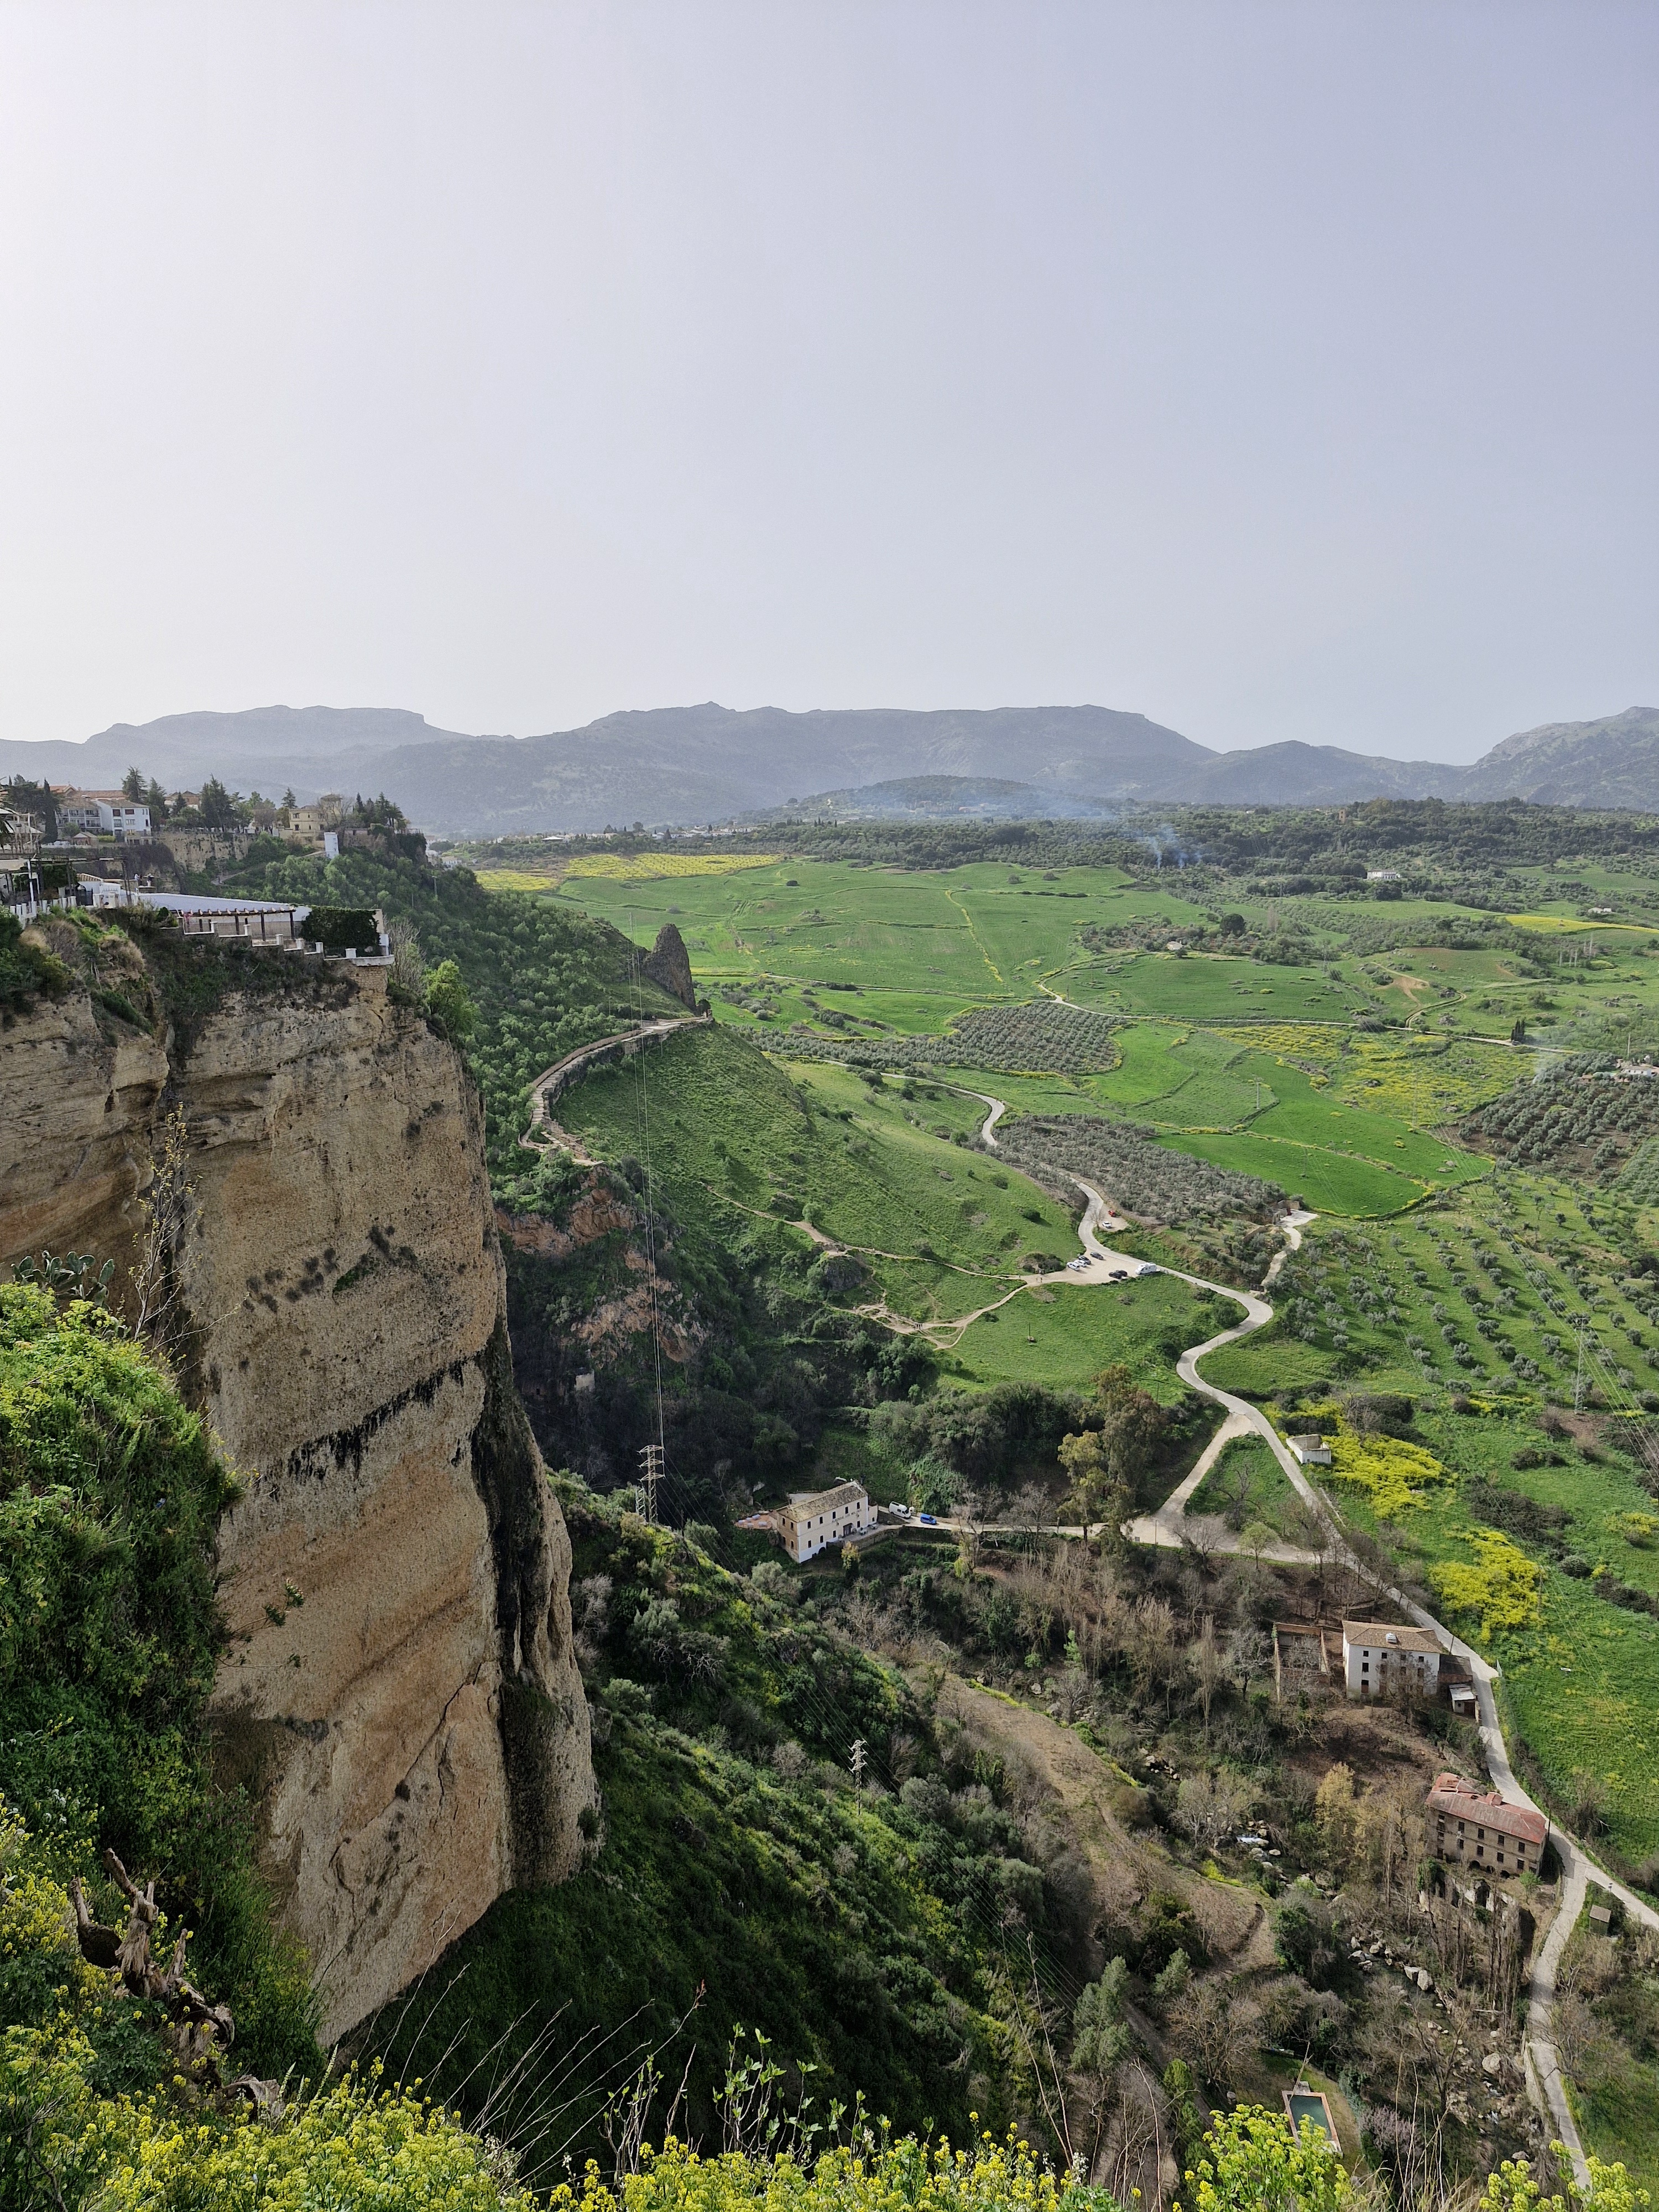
[1169, 1528]
[544, 1130]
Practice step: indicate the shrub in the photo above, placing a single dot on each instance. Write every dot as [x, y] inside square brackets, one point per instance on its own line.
[1503, 1585]
[342, 928]
[448, 1002]
[988, 2177]
[26, 969]
[352, 2149]
[1254, 2163]
[110, 1495]
[1390, 1471]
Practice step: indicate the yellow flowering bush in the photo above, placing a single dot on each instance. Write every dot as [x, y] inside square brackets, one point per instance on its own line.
[1254, 2162]
[906, 2176]
[1391, 1472]
[1503, 1585]
[354, 2149]
[1514, 2188]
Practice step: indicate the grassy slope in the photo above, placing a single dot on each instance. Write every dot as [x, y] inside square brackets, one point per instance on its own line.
[730, 1131]
[858, 1934]
[544, 979]
[1142, 1325]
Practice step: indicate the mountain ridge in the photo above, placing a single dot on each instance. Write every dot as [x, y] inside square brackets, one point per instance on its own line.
[708, 763]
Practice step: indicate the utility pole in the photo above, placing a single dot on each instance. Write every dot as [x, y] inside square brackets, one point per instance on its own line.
[857, 1761]
[650, 1476]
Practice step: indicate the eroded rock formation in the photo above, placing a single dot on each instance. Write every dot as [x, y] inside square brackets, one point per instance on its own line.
[669, 965]
[399, 1688]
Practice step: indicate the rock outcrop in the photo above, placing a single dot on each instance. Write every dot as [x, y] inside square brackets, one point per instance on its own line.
[669, 966]
[400, 1690]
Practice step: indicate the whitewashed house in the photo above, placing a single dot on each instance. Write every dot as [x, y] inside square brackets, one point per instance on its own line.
[1378, 1656]
[813, 1519]
[108, 813]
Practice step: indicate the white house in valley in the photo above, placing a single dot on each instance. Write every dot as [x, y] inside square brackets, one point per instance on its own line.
[1378, 1656]
[816, 1518]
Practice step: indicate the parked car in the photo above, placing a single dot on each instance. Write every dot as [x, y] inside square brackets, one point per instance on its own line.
[928, 1520]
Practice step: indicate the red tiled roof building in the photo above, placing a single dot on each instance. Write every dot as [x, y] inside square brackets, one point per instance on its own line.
[1482, 1830]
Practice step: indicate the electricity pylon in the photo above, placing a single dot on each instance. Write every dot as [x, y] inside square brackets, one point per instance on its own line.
[650, 1476]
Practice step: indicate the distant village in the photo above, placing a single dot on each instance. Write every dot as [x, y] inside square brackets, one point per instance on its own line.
[61, 845]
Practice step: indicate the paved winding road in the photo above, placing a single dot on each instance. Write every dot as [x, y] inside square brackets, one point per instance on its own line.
[1169, 1528]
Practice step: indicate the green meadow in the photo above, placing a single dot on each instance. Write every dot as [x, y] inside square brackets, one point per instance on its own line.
[1247, 1480]
[1253, 1066]
[938, 1229]
[1430, 1272]
[1065, 1334]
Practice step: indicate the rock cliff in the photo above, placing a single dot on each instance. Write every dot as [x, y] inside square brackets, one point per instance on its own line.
[400, 1690]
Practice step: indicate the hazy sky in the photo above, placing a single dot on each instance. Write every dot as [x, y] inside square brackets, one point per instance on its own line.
[1278, 370]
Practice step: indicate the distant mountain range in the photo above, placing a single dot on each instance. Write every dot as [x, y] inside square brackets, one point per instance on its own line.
[691, 764]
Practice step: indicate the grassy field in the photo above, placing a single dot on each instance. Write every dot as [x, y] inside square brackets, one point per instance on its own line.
[973, 935]
[938, 1229]
[1253, 1066]
[1064, 1336]
[1204, 987]
[1248, 1481]
[1430, 1272]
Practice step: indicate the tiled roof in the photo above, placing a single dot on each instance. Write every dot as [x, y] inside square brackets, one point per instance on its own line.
[816, 1501]
[1390, 1635]
[1463, 1801]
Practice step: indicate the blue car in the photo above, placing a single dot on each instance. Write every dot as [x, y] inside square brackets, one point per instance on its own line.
[928, 1520]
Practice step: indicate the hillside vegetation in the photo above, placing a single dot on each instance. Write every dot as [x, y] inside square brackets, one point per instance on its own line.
[112, 2093]
[796, 1210]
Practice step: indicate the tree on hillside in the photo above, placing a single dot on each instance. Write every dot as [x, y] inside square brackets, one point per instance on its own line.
[1209, 1669]
[23, 796]
[219, 809]
[1104, 1463]
[133, 785]
[1101, 2042]
[446, 999]
[1334, 1811]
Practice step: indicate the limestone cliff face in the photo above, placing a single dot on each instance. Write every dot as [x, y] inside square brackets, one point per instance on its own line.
[399, 1688]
